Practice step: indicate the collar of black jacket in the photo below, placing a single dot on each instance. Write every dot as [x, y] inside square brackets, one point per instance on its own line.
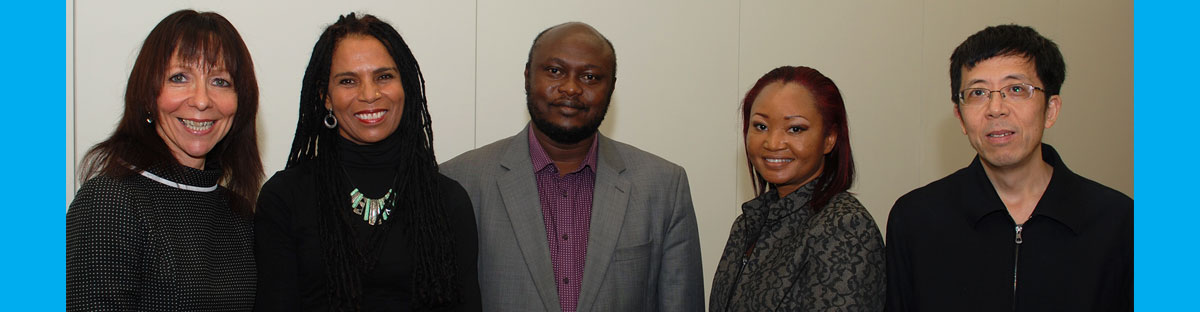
[981, 200]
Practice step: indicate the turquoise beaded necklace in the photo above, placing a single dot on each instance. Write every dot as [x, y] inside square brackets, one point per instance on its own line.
[373, 210]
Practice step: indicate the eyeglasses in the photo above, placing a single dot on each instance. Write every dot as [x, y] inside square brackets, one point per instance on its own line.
[1017, 93]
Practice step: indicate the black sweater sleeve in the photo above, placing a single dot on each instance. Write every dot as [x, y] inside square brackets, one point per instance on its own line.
[105, 247]
[899, 277]
[462, 218]
[275, 249]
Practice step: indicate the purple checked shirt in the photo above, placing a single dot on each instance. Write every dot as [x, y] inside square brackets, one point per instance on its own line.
[567, 210]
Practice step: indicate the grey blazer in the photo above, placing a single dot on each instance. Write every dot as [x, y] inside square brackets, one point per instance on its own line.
[643, 247]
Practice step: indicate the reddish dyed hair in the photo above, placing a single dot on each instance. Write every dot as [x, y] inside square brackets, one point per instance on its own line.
[838, 172]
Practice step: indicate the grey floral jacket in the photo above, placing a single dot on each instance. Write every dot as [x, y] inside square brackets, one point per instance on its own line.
[832, 260]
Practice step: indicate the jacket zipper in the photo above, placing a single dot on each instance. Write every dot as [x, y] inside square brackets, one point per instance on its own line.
[1016, 263]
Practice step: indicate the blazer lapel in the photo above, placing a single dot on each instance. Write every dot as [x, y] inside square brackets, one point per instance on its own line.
[608, 214]
[518, 189]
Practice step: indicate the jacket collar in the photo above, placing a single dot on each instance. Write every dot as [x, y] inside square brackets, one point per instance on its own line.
[980, 197]
[774, 208]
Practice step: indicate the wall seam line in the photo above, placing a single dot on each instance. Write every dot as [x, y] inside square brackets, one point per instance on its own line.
[475, 107]
[738, 185]
[74, 95]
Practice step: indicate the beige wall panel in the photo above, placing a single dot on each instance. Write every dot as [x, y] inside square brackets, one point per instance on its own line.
[1094, 132]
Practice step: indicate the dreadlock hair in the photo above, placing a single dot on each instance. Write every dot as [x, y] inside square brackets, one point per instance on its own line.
[838, 174]
[417, 203]
[207, 39]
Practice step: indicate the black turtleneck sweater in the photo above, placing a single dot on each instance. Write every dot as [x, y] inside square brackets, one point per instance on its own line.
[293, 275]
[165, 240]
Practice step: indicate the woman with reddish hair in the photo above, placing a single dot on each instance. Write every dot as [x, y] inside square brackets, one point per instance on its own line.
[163, 219]
[805, 243]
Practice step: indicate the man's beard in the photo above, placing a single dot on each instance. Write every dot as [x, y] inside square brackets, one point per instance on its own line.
[564, 135]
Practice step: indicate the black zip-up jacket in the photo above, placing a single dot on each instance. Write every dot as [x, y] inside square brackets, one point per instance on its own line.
[952, 246]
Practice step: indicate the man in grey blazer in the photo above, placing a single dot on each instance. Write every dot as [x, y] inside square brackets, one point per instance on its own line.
[571, 220]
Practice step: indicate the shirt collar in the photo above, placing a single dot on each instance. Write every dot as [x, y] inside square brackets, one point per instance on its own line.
[541, 160]
[1056, 203]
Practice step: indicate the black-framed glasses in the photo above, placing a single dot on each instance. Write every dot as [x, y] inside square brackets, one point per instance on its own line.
[1019, 92]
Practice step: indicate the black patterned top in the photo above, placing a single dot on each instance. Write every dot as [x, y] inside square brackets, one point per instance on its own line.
[832, 260]
[165, 240]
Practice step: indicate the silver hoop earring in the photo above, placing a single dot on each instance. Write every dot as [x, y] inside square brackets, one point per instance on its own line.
[330, 121]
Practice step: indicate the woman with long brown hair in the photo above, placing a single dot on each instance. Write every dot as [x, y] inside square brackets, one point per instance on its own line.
[162, 222]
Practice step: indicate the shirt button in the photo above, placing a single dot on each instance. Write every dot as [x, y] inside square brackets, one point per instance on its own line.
[566, 280]
[565, 236]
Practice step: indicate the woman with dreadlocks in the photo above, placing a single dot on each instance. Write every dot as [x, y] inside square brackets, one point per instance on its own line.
[360, 219]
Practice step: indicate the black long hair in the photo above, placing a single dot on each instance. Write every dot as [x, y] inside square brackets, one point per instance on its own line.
[202, 38]
[417, 203]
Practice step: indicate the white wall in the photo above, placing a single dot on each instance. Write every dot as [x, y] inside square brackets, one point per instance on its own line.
[683, 68]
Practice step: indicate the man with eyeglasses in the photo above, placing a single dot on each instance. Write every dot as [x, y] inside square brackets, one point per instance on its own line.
[1015, 230]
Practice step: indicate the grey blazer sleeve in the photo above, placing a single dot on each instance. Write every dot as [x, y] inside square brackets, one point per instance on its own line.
[681, 282]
